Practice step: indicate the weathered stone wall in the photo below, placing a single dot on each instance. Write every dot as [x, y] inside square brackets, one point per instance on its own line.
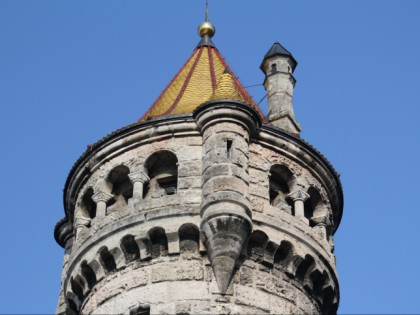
[145, 246]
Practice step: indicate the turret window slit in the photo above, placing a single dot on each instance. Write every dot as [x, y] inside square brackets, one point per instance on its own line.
[229, 148]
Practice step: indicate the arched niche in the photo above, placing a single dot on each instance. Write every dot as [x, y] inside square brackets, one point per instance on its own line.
[304, 267]
[77, 286]
[256, 245]
[162, 169]
[189, 237]
[88, 274]
[121, 187]
[315, 209]
[281, 182]
[283, 254]
[107, 260]
[158, 242]
[130, 248]
[87, 204]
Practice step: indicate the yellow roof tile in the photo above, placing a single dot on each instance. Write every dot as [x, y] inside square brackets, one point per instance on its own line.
[196, 83]
[226, 89]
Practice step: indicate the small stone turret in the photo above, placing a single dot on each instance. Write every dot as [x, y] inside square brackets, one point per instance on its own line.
[278, 65]
[226, 126]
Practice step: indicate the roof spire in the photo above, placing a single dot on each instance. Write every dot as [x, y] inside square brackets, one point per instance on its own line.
[206, 28]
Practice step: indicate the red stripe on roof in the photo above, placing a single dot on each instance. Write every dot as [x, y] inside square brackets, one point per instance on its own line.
[184, 86]
[212, 74]
[166, 88]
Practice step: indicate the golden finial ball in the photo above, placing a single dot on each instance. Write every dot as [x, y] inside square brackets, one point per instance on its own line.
[206, 28]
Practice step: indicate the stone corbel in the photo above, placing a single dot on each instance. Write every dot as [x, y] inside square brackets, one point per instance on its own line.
[299, 197]
[173, 242]
[138, 179]
[101, 198]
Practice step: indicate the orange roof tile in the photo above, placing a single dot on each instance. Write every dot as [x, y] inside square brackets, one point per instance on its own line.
[195, 83]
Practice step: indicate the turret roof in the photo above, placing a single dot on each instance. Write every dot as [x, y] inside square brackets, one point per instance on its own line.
[278, 50]
[196, 82]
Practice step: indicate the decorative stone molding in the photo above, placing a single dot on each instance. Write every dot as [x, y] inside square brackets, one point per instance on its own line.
[299, 196]
[138, 179]
[139, 176]
[101, 198]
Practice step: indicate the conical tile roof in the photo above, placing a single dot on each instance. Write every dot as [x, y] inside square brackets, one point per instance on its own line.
[195, 83]
[278, 50]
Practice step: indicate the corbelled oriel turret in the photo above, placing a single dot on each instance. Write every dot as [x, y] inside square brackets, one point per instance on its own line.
[203, 206]
[278, 66]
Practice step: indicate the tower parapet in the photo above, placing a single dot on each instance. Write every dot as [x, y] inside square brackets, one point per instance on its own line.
[200, 207]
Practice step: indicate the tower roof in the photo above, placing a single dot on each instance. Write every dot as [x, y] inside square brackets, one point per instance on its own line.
[196, 81]
[278, 50]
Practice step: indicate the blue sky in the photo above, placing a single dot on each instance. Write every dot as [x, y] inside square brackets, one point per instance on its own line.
[73, 71]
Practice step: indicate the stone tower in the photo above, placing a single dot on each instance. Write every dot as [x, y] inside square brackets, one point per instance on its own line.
[203, 206]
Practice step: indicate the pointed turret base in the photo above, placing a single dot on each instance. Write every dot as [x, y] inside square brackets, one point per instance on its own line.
[225, 237]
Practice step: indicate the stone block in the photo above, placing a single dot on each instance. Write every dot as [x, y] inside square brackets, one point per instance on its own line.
[189, 153]
[252, 297]
[258, 203]
[189, 168]
[246, 276]
[189, 182]
[194, 141]
[227, 127]
[258, 177]
[116, 285]
[191, 290]
[224, 183]
[208, 274]
[240, 172]
[204, 308]
[274, 285]
[192, 196]
[216, 170]
[188, 270]
[183, 309]
[279, 305]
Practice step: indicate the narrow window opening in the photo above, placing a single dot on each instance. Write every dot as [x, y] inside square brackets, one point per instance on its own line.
[88, 205]
[273, 68]
[162, 168]
[229, 148]
[280, 180]
[122, 188]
